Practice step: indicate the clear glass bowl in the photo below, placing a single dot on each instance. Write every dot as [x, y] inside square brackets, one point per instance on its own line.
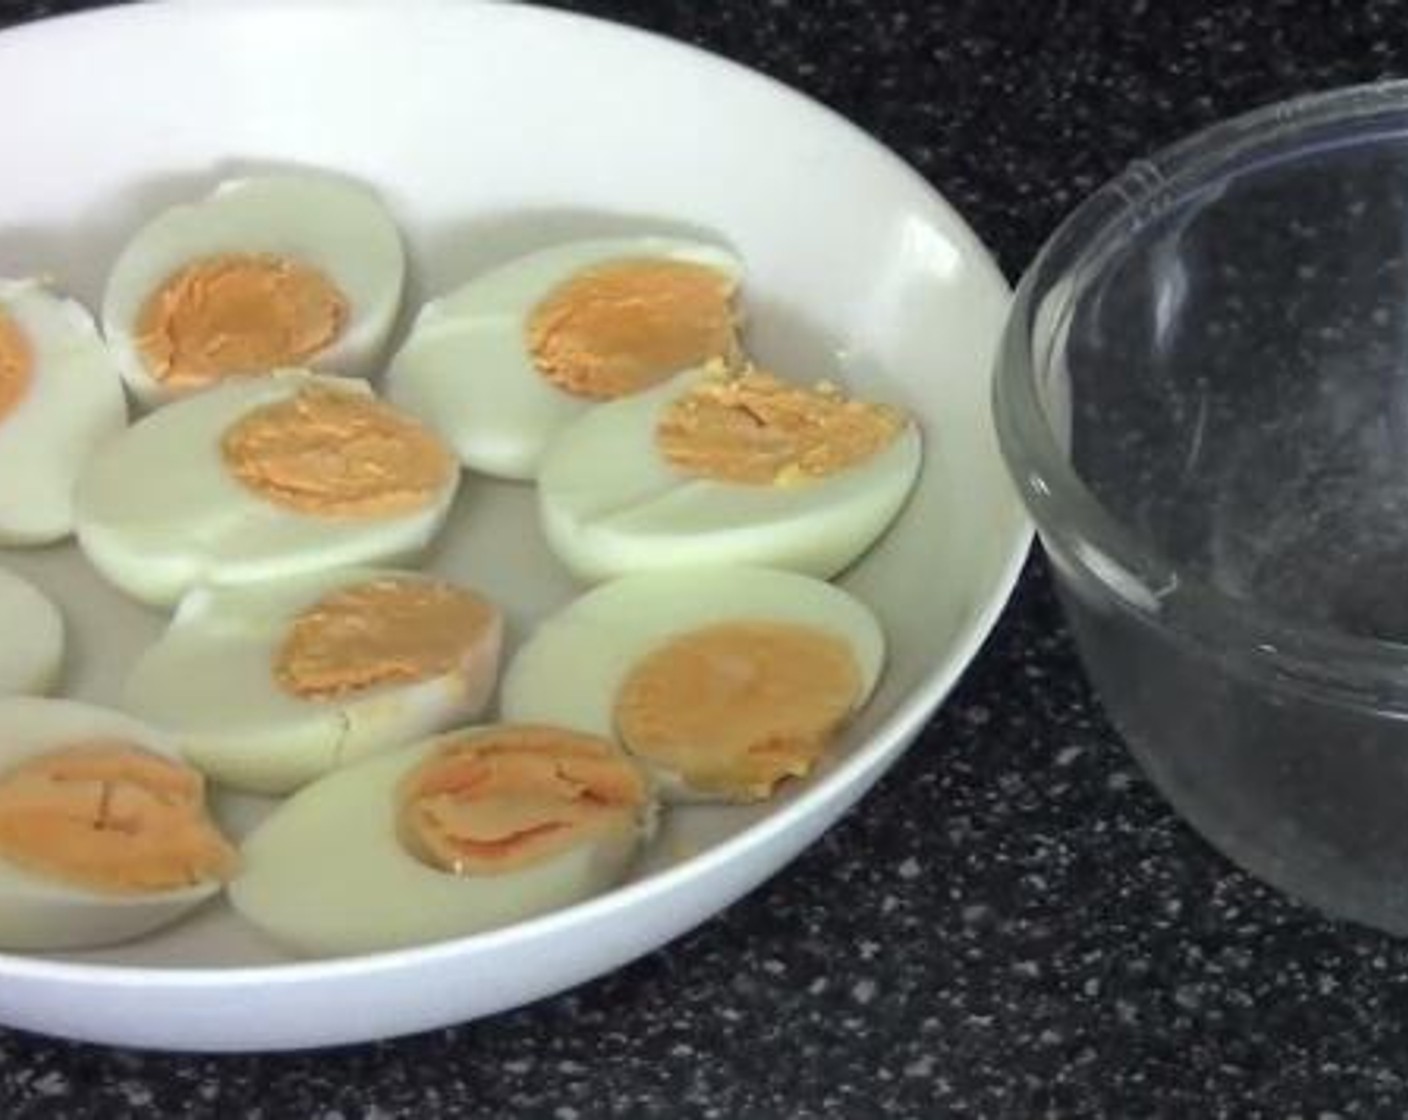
[1203, 397]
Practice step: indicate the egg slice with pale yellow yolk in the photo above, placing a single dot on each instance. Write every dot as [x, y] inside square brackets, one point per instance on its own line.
[724, 681]
[269, 686]
[32, 650]
[60, 396]
[104, 833]
[502, 363]
[472, 830]
[268, 272]
[261, 478]
[719, 467]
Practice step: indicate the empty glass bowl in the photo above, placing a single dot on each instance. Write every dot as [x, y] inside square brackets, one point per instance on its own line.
[1203, 397]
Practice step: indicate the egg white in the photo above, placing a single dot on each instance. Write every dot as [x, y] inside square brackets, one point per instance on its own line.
[466, 369]
[209, 683]
[157, 512]
[32, 651]
[611, 504]
[333, 224]
[570, 669]
[73, 404]
[326, 874]
[44, 914]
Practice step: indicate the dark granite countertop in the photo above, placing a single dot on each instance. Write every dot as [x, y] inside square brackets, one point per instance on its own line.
[1012, 923]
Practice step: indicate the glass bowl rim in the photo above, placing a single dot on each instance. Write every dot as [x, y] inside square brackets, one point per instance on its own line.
[1076, 529]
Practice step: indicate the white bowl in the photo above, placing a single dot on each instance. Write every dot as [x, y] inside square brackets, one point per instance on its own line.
[492, 130]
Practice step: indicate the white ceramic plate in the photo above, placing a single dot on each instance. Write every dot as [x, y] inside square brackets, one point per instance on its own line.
[492, 130]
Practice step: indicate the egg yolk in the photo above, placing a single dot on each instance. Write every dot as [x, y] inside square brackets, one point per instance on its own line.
[619, 328]
[111, 817]
[515, 796]
[735, 708]
[337, 453]
[237, 313]
[756, 428]
[387, 631]
[16, 364]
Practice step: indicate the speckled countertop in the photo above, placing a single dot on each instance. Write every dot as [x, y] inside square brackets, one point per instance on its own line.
[1012, 923]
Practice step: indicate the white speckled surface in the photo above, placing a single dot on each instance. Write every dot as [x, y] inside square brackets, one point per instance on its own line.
[1013, 924]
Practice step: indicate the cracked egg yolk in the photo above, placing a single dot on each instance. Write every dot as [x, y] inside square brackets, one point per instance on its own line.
[111, 817]
[757, 429]
[337, 454]
[734, 708]
[385, 632]
[516, 796]
[237, 313]
[618, 328]
[16, 365]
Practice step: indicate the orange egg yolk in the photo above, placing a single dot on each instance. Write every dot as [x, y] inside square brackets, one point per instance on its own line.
[385, 632]
[514, 796]
[757, 429]
[337, 453]
[111, 817]
[237, 313]
[734, 708]
[16, 364]
[618, 328]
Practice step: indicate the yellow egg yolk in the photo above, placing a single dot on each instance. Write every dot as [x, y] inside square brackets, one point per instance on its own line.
[387, 631]
[757, 429]
[337, 453]
[237, 313]
[619, 328]
[514, 796]
[111, 817]
[734, 708]
[16, 364]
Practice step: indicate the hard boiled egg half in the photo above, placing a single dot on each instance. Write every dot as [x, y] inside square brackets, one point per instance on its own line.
[268, 686]
[261, 478]
[267, 272]
[723, 467]
[723, 681]
[104, 834]
[502, 363]
[469, 831]
[32, 650]
[60, 396]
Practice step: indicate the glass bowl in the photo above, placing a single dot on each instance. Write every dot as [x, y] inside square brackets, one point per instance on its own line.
[1202, 394]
